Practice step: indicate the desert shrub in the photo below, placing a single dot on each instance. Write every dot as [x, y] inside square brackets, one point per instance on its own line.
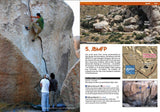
[92, 37]
[87, 24]
[81, 36]
[155, 42]
[108, 33]
[85, 34]
[111, 36]
[105, 41]
[112, 23]
[91, 24]
[145, 42]
[101, 19]
[102, 33]
[121, 42]
[129, 42]
[128, 37]
[134, 34]
[96, 39]
[114, 15]
[115, 36]
[117, 40]
[140, 36]
[114, 40]
[120, 28]
[157, 38]
[120, 35]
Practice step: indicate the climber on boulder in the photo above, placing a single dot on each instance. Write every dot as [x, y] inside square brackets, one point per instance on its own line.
[39, 24]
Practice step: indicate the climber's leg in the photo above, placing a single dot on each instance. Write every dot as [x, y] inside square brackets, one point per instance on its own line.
[38, 30]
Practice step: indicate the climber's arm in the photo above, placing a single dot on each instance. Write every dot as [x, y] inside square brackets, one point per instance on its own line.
[34, 17]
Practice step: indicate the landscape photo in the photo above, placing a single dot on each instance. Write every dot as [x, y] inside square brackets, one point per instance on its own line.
[120, 24]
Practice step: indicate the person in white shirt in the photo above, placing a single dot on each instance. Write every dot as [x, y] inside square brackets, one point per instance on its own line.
[44, 83]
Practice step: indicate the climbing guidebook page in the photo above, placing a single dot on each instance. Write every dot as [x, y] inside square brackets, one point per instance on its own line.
[100, 76]
[119, 56]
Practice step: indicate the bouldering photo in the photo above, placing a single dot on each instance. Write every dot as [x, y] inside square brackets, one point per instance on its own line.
[36, 40]
[140, 93]
[120, 24]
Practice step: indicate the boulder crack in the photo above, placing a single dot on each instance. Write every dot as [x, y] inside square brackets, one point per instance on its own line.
[42, 54]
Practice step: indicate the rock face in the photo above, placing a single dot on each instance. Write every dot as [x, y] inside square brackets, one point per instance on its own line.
[100, 16]
[71, 87]
[76, 40]
[55, 53]
[129, 21]
[139, 93]
[100, 26]
[153, 14]
[18, 76]
[118, 18]
[130, 28]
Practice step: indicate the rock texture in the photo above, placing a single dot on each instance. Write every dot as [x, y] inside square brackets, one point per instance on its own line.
[101, 26]
[76, 40]
[56, 52]
[71, 87]
[153, 14]
[18, 76]
[130, 28]
[140, 93]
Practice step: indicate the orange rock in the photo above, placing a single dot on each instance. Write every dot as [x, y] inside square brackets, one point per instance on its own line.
[18, 77]
[70, 91]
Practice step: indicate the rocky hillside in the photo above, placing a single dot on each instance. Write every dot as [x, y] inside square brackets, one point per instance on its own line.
[25, 62]
[120, 24]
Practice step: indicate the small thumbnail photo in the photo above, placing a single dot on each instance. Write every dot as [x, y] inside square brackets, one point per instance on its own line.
[139, 62]
[140, 93]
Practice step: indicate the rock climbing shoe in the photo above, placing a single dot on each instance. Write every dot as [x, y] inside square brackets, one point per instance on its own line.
[33, 40]
[27, 28]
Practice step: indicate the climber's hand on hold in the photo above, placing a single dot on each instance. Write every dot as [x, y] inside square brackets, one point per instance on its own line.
[34, 17]
[32, 20]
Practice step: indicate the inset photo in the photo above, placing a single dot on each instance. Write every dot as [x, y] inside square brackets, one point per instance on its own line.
[139, 62]
[120, 24]
[140, 93]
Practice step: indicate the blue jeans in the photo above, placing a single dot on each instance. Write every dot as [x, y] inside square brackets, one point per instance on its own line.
[45, 102]
[53, 98]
